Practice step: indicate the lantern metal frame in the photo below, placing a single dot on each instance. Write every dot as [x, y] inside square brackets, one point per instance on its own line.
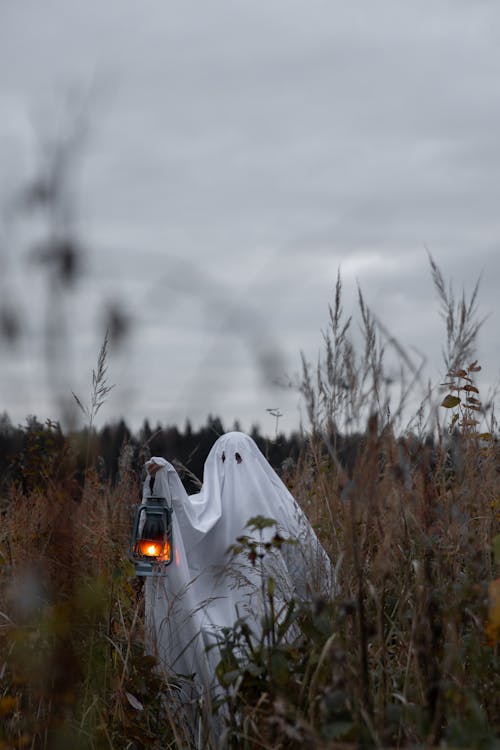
[157, 510]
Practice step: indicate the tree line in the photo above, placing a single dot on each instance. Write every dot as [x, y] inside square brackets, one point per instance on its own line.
[37, 453]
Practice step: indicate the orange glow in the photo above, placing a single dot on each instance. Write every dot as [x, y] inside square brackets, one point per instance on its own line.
[154, 548]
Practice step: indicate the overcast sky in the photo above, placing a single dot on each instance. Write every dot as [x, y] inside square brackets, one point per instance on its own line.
[238, 154]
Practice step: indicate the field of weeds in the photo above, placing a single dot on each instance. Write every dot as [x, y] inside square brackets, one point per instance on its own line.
[405, 655]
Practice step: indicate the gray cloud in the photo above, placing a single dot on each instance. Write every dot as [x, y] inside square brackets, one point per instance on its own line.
[262, 146]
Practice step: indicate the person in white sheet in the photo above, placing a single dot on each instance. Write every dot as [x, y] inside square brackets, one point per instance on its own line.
[205, 588]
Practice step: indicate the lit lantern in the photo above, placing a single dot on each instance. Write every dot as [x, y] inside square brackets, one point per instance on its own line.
[151, 546]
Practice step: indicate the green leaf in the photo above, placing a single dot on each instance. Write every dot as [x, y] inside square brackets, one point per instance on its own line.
[338, 730]
[450, 401]
[254, 669]
[280, 667]
[259, 523]
[495, 545]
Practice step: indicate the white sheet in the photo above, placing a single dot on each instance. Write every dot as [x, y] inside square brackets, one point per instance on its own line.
[204, 590]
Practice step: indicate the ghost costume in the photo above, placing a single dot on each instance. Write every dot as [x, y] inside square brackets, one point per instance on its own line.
[205, 588]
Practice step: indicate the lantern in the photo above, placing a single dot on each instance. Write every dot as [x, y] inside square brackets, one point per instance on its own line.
[151, 546]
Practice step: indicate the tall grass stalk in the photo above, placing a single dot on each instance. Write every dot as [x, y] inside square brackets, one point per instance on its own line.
[99, 392]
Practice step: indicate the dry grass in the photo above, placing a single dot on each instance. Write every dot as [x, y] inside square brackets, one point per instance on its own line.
[402, 656]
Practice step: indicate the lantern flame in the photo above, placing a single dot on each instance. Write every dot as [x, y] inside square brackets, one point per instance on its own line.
[154, 548]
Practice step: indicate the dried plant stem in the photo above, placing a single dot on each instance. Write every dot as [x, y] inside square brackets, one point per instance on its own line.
[98, 394]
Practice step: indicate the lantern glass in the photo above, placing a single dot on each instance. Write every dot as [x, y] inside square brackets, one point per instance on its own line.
[151, 545]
